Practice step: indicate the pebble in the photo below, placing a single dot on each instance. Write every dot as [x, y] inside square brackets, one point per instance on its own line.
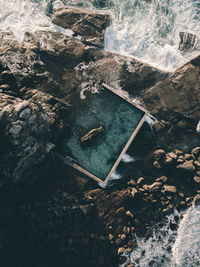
[197, 179]
[120, 251]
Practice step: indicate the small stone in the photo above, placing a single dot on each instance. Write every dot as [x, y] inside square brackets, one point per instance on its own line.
[197, 179]
[123, 236]
[195, 152]
[159, 155]
[197, 163]
[157, 165]
[24, 114]
[140, 180]
[128, 250]
[15, 129]
[170, 188]
[198, 173]
[181, 194]
[196, 200]
[158, 126]
[178, 152]
[120, 211]
[128, 213]
[182, 204]
[110, 237]
[120, 251]
[187, 156]
[132, 182]
[155, 186]
[169, 160]
[172, 155]
[134, 191]
[180, 161]
[187, 166]
[163, 179]
[145, 187]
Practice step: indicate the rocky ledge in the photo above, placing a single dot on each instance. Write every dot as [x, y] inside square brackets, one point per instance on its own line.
[52, 215]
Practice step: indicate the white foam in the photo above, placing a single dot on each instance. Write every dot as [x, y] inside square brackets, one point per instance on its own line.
[149, 30]
[186, 249]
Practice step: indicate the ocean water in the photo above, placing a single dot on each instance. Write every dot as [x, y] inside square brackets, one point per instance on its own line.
[146, 29]
[169, 245]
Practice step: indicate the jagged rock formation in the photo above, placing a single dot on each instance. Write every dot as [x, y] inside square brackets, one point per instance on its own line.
[189, 42]
[40, 81]
[90, 25]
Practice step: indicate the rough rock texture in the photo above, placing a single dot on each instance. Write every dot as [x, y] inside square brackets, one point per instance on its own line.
[189, 42]
[90, 25]
[52, 215]
[179, 92]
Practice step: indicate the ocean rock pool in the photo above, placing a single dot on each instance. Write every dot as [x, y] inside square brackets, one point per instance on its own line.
[121, 120]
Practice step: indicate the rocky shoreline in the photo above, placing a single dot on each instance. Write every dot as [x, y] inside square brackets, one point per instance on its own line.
[52, 215]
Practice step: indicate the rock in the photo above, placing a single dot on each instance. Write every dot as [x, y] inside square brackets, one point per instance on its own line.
[90, 25]
[134, 191]
[120, 250]
[123, 236]
[197, 179]
[196, 200]
[120, 211]
[155, 186]
[195, 152]
[189, 42]
[157, 165]
[169, 188]
[187, 166]
[163, 179]
[159, 155]
[110, 237]
[185, 79]
[158, 126]
[15, 129]
[140, 181]
[187, 156]
[128, 213]
[197, 163]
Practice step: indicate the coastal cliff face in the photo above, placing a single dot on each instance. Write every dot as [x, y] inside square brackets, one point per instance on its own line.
[66, 216]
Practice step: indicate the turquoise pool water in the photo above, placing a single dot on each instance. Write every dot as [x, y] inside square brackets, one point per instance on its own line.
[119, 118]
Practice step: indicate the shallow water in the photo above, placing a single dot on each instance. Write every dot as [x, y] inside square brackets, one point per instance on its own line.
[119, 118]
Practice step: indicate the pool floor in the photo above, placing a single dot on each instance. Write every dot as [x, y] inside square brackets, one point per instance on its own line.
[118, 118]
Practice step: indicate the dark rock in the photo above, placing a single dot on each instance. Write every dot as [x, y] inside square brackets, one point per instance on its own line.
[90, 25]
[189, 42]
[187, 166]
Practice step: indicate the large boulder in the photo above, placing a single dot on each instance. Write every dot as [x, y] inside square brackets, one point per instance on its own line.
[90, 25]
[179, 92]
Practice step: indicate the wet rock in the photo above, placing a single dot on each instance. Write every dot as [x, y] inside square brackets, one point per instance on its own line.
[195, 152]
[187, 166]
[196, 200]
[134, 191]
[90, 25]
[155, 186]
[197, 179]
[120, 250]
[185, 79]
[169, 188]
[128, 213]
[189, 42]
[159, 155]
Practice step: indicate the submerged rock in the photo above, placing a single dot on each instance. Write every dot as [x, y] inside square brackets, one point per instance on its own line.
[90, 25]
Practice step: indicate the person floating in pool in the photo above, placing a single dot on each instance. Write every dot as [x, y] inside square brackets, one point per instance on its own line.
[93, 134]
